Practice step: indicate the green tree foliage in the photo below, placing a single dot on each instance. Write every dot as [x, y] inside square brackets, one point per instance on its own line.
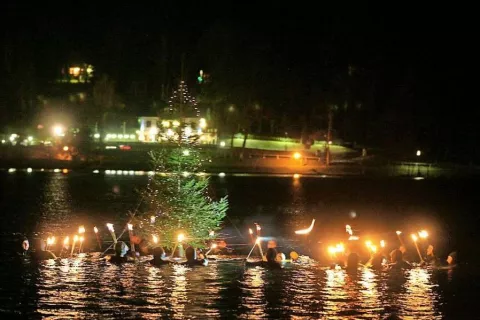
[178, 197]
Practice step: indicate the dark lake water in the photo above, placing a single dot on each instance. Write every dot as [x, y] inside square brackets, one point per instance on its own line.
[88, 287]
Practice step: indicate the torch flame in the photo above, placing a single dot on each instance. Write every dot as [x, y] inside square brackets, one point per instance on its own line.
[49, 241]
[75, 238]
[332, 250]
[81, 239]
[95, 229]
[258, 227]
[66, 241]
[250, 230]
[181, 237]
[382, 243]
[368, 243]
[155, 238]
[306, 231]
[110, 227]
[398, 232]
[414, 237]
[81, 229]
[348, 229]
[258, 240]
[130, 226]
[340, 247]
[373, 248]
[214, 246]
[423, 234]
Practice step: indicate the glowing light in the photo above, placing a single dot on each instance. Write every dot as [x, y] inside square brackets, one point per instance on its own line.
[186, 152]
[96, 171]
[258, 240]
[65, 170]
[165, 124]
[152, 219]
[170, 132]
[348, 229]
[188, 131]
[50, 241]
[368, 243]
[65, 148]
[332, 250]
[175, 123]
[414, 237]
[307, 230]
[66, 241]
[330, 142]
[211, 233]
[373, 248]
[30, 138]
[222, 144]
[250, 230]
[75, 238]
[419, 153]
[203, 123]
[154, 238]
[96, 135]
[297, 155]
[296, 176]
[110, 227]
[81, 238]
[382, 243]
[56, 170]
[114, 136]
[423, 234]
[340, 247]
[3, 141]
[120, 136]
[12, 170]
[58, 131]
[130, 227]
[214, 246]
[221, 174]
[95, 229]
[29, 170]
[81, 229]
[259, 228]
[181, 237]
[398, 232]
[185, 174]
[353, 238]
[153, 131]
[132, 136]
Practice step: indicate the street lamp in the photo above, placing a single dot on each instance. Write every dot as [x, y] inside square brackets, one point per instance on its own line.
[419, 153]
[58, 131]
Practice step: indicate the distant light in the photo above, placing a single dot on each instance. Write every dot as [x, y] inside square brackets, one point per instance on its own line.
[132, 136]
[12, 170]
[120, 136]
[203, 123]
[418, 178]
[152, 219]
[330, 142]
[130, 226]
[119, 171]
[151, 173]
[188, 131]
[186, 152]
[65, 170]
[110, 147]
[56, 170]
[186, 174]
[96, 171]
[97, 136]
[131, 172]
[125, 172]
[58, 130]
[113, 136]
[382, 243]
[154, 238]
[297, 155]
[13, 137]
[296, 176]
[221, 174]
[170, 132]
[222, 144]
[30, 138]
[181, 237]
[65, 148]
[3, 141]
[398, 232]
[175, 123]
[423, 234]
[165, 124]
[29, 170]
[419, 153]
[414, 237]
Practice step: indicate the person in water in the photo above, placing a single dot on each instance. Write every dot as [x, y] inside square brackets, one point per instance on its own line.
[430, 258]
[42, 253]
[25, 246]
[376, 261]
[452, 259]
[191, 255]
[352, 262]
[159, 257]
[271, 254]
[121, 250]
[397, 261]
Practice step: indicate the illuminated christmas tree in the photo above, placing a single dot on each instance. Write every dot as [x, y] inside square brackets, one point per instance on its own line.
[178, 198]
[181, 103]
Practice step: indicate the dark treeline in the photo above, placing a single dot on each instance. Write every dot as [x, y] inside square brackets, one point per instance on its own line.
[393, 77]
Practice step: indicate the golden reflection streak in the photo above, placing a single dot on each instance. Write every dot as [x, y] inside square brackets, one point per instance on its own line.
[418, 302]
[334, 293]
[254, 293]
[369, 294]
[178, 299]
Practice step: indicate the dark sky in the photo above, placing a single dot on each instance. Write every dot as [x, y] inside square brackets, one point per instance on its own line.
[424, 50]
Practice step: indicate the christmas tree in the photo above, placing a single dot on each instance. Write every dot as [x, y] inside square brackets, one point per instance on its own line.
[177, 196]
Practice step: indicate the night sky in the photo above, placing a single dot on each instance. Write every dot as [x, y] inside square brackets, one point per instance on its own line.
[409, 86]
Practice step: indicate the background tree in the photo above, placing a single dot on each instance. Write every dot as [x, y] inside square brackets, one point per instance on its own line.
[103, 99]
[178, 197]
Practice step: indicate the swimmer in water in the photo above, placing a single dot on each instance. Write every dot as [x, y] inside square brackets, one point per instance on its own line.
[42, 253]
[430, 258]
[191, 255]
[159, 257]
[121, 250]
[25, 246]
[397, 261]
[352, 262]
[452, 259]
